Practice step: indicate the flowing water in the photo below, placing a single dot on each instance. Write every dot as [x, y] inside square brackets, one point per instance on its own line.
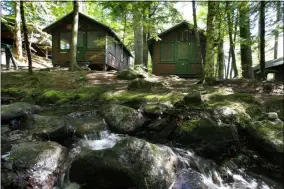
[188, 162]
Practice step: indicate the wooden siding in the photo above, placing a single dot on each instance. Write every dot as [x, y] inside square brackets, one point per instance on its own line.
[95, 56]
[181, 33]
[114, 57]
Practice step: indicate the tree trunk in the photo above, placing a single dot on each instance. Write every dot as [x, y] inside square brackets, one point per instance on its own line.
[145, 49]
[198, 48]
[26, 37]
[262, 40]
[278, 7]
[138, 34]
[18, 35]
[73, 63]
[228, 65]
[246, 57]
[209, 57]
[232, 45]
[221, 59]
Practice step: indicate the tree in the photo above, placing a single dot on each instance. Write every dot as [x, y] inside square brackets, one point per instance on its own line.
[198, 50]
[278, 16]
[244, 24]
[262, 39]
[18, 35]
[211, 21]
[232, 45]
[73, 63]
[138, 33]
[26, 36]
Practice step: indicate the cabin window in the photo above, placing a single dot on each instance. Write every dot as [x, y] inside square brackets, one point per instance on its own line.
[65, 41]
[168, 52]
[92, 39]
[80, 40]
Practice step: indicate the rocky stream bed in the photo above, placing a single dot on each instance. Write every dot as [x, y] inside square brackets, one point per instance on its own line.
[135, 145]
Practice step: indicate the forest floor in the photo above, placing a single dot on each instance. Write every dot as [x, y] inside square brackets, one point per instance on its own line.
[61, 87]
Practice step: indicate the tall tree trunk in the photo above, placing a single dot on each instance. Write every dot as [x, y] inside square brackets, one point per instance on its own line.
[18, 35]
[232, 45]
[145, 49]
[228, 65]
[138, 34]
[221, 59]
[209, 57]
[262, 40]
[198, 47]
[246, 57]
[278, 16]
[26, 37]
[73, 63]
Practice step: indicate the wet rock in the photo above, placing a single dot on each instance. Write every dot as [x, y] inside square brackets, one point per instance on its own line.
[33, 165]
[272, 116]
[122, 119]
[154, 110]
[268, 135]
[207, 137]
[142, 84]
[56, 128]
[18, 109]
[188, 179]
[157, 125]
[129, 74]
[131, 163]
[88, 125]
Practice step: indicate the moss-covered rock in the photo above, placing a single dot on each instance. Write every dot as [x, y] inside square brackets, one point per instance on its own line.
[88, 125]
[33, 165]
[129, 74]
[122, 119]
[17, 110]
[207, 137]
[131, 163]
[154, 109]
[48, 127]
[142, 84]
[268, 134]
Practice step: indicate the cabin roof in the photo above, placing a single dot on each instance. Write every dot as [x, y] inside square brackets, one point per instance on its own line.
[49, 28]
[183, 23]
[271, 63]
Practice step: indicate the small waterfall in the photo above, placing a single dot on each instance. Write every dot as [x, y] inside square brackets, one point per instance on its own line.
[211, 177]
[102, 140]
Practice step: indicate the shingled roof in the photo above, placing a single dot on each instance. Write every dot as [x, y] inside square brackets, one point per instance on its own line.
[49, 28]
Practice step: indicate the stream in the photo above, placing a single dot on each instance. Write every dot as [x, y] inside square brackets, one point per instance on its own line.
[191, 170]
[238, 179]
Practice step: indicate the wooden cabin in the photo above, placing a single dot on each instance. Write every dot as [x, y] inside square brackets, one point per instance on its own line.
[175, 52]
[274, 67]
[97, 45]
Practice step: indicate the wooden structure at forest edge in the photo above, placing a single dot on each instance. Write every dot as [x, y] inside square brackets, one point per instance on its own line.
[275, 67]
[175, 53]
[97, 44]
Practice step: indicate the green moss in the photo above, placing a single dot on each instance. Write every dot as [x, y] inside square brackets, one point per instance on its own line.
[271, 132]
[188, 126]
[237, 97]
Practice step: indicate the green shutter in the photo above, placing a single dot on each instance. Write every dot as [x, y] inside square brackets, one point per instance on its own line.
[168, 52]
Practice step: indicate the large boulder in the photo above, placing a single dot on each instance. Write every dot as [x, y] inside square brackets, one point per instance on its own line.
[207, 137]
[131, 163]
[268, 135]
[129, 74]
[122, 119]
[17, 110]
[143, 84]
[33, 165]
[88, 125]
[56, 128]
[188, 179]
